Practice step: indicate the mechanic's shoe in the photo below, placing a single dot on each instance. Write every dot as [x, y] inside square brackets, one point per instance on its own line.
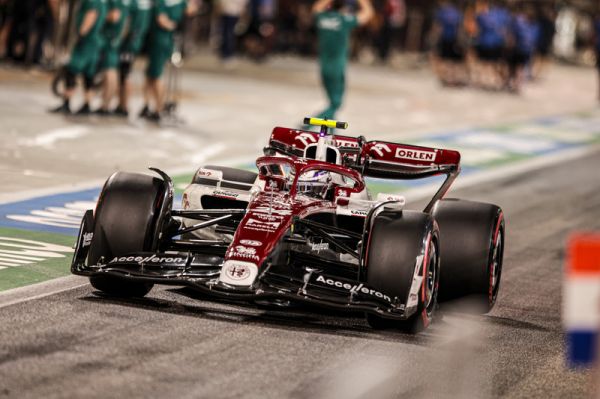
[84, 110]
[120, 112]
[154, 117]
[102, 112]
[63, 109]
[145, 113]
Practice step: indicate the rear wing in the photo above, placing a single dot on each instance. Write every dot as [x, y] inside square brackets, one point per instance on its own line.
[378, 159]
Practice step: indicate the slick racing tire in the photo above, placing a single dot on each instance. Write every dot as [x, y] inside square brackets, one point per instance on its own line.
[472, 248]
[398, 243]
[125, 221]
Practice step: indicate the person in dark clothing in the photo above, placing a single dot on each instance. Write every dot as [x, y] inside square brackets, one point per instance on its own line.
[524, 33]
[597, 47]
[449, 57]
[492, 25]
[547, 30]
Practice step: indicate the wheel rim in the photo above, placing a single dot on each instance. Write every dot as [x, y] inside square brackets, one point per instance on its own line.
[496, 267]
[431, 278]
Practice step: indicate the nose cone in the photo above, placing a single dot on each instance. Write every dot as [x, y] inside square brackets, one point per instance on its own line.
[241, 274]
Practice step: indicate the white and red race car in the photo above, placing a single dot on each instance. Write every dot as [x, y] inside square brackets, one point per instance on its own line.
[304, 228]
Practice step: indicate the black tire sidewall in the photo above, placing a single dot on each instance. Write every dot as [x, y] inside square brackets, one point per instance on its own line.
[396, 240]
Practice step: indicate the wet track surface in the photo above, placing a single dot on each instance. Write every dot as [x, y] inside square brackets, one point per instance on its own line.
[78, 344]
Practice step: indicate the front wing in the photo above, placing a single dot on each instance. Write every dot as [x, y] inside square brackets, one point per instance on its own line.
[273, 283]
[305, 283]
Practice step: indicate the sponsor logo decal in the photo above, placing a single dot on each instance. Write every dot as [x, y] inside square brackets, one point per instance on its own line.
[275, 209]
[238, 271]
[252, 243]
[306, 138]
[346, 143]
[261, 225]
[240, 251]
[415, 155]
[153, 259]
[357, 212]
[228, 194]
[380, 148]
[360, 288]
[318, 247]
[330, 23]
[87, 239]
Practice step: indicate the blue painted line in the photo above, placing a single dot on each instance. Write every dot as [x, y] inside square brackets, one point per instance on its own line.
[582, 348]
[40, 203]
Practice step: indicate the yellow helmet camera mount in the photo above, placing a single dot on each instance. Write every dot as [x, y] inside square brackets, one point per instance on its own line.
[325, 125]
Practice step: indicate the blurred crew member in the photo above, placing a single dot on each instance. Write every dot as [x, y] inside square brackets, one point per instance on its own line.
[334, 26]
[113, 32]
[167, 16]
[547, 29]
[492, 27]
[231, 10]
[140, 16]
[524, 32]
[597, 46]
[86, 53]
[450, 55]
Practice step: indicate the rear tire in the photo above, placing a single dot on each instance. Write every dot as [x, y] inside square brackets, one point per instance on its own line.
[396, 242]
[472, 247]
[125, 222]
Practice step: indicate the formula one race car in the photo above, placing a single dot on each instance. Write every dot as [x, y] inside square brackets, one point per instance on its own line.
[304, 229]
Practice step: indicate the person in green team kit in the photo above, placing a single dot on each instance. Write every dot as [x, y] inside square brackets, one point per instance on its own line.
[86, 53]
[167, 16]
[113, 32]
[334, 25]
[140, 16]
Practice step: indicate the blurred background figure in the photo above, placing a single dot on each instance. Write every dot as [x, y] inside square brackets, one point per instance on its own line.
[168, 14]
[393, 17]
[334, 26]
[492, 25]
[260, 34]
[546, 30]
[448, 58]
[597, 46]
[26, 26]
[230, 12]
[140, 16]
[85, 56]
[113, 32]
[524, 34]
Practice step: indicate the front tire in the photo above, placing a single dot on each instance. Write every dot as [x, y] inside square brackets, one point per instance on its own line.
[125, 221]
[400, 242]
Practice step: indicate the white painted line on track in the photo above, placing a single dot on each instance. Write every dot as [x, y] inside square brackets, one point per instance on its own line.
[41, 290]
[49, 138]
